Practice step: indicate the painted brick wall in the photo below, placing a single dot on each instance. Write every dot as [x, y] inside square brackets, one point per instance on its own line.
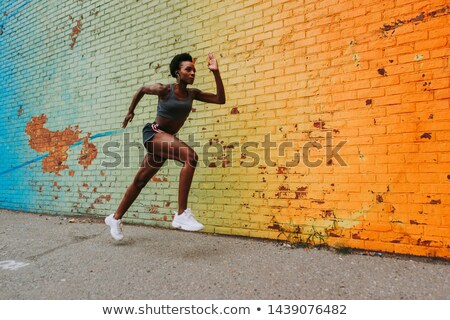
[335, 130]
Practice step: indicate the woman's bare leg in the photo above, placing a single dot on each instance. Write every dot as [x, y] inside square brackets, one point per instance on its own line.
[149, 167]
[168, 146]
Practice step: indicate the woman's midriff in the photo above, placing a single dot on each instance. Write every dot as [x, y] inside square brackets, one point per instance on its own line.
[169, 125]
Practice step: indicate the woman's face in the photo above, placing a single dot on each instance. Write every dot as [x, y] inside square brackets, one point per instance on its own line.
[187, 72]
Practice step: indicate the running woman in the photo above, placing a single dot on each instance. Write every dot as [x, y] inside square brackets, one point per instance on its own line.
[174, 106]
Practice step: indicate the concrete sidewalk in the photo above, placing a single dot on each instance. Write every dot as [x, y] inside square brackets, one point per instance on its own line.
[50, 257]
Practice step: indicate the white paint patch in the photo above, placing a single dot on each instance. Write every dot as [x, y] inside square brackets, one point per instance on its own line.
[12, 265]
[355, 58]
[418, 57]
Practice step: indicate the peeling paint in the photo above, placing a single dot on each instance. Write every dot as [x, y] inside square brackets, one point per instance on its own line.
[55, 143]
[382, 72]
[418, 57]
[100, 200]
[154, 209]
[380, 198]
[327, 214]
[281, 170]
[355, 58]
[426, 135]
[75, 32]
[275, 226]
[417, 19]
[88, 153]
[319, 124]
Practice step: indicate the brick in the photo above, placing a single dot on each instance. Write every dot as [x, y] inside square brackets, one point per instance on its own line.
[414, 37]
[430, 44]
[442, 94]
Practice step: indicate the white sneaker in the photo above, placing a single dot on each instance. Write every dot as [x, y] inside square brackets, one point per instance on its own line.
[186, 221]
[115, 227]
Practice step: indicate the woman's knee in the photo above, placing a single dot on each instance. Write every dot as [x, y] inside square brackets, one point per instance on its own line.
[192, 158]
[140, 182]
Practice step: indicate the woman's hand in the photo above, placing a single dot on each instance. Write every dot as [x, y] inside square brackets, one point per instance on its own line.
[128, 118]
[219, 97]
[212, 63]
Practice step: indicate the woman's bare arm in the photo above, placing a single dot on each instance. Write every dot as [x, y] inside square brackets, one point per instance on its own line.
[219, 97]
[155, 89]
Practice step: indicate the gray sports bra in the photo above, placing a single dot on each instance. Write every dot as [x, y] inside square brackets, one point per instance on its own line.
[174, 108]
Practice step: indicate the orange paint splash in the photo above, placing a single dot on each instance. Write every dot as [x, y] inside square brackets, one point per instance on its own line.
[55, 143]
[102, 198]
[88, 153]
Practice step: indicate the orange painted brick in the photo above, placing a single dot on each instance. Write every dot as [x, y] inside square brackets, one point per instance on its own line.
[387, 100]
[417, 97]
[436, 231]
[425, 219]
[379, 246]
[401, 127]
[434, 24]
[427, 241]
[436, 63]
[404, 2]
[397, 50]
[400, 168]
[354, 243]
[436, 105]
[414, 77]
[432, 85]
[434, 188]
[391, 158]
[434, 147]
[403, 187]
[373, 130]
[430, 44]
[442, 94]
[442, 136]
[365, 235]
[337, 8]
[446, 222]
[413, 37]
[440, 52]
[394, 237]
[413, 177]
[444, 158]
[407, 229]
[411, 249]
[398, 12]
